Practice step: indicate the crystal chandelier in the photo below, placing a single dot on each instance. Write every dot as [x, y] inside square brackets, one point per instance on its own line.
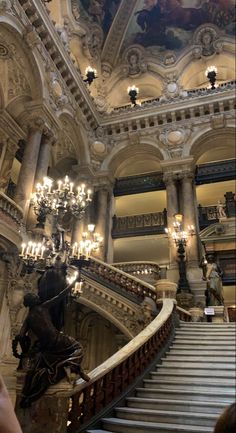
[66, 197]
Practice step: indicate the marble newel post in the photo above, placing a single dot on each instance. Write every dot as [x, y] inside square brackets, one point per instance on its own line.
[189, 212]
[172, 209]
[28, 167]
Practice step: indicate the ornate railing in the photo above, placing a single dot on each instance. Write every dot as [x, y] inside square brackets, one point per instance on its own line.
[120, 281]
[139, 184]
[141, 269]
[183, 315]
[138, 225]
[9, 210]
[117, 375]
[208, 215]
[215, 172]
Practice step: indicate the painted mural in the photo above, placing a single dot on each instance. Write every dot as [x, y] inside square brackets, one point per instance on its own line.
[101, 12]
[169, 24]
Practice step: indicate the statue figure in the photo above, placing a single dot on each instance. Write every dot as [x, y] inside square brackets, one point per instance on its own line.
[213, 276]
[220, 210]
[53, 356]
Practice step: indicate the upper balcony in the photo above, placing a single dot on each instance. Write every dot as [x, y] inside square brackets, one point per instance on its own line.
[11, 217]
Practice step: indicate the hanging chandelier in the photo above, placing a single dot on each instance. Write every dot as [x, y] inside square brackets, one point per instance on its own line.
[65, 198]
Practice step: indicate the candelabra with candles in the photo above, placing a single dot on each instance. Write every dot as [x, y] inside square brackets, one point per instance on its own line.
[91, 75]
[180, 237]
[133, 92]
[211, 73]
[57, 201]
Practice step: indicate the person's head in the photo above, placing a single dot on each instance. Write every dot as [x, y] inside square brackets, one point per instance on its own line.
[226, 423]
[210, 258]
[149, 4]
[30, 300]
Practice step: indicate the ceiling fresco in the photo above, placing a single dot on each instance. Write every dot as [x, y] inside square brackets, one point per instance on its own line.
[170, 24]
[99, 12]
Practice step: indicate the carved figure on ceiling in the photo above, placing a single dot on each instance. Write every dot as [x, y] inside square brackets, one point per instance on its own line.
[169, 24]
[135, 63]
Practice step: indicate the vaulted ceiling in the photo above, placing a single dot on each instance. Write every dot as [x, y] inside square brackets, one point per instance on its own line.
[151, 43]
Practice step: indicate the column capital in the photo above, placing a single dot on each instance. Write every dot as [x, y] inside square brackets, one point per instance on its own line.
[186, 176]
[49, 136]
[36, 123]
[169, 178]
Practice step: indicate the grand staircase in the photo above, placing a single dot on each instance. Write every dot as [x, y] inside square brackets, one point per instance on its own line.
[188, 390]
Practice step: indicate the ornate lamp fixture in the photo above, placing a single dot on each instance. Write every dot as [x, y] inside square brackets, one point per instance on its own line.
[61, 200]
[133, 92]
[211, 73]
[91, 75]
[90, 241]
[180, 237]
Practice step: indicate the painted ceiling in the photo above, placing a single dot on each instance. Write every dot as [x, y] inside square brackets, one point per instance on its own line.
[159, 25]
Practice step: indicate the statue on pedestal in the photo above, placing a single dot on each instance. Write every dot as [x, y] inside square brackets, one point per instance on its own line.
[213, 276]
[53, 356]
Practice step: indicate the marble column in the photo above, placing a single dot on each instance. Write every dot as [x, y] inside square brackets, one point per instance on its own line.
[102, 225]
[190, 217]
[172, 209]
[28, 167]
[44, 157]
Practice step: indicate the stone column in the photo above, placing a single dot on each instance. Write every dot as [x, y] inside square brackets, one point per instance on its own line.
[44, 157]
[172, 209]
[28, 167]
[190, 217]
[102, 225]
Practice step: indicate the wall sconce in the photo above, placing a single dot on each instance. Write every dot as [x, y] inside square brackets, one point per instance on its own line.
[91, 75]
[211, 73]
[133, 92]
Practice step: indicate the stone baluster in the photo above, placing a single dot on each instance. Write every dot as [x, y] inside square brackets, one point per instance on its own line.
[190, 216]
[29, 164]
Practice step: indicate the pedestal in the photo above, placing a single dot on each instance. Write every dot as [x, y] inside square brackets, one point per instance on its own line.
[49, 413]
[196, 314]
[219, 314]
[185, 300]
[165, 289]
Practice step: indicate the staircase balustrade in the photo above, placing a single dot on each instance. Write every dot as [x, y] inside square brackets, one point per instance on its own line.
[125, 282]
[143, 270]
[115, 377]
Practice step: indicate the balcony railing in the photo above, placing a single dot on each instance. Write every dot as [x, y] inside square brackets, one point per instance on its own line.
[138, 225]
[11, 217]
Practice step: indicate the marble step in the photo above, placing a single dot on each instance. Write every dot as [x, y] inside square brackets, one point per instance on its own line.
[205, 342]
[176, 405]
[190, 338]
[200, 364]
[219, 374]
[218, 333]
[127, 426]
[196, 358]
[225, 396]
[167, 416]
[199, 347]
[190, 383]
